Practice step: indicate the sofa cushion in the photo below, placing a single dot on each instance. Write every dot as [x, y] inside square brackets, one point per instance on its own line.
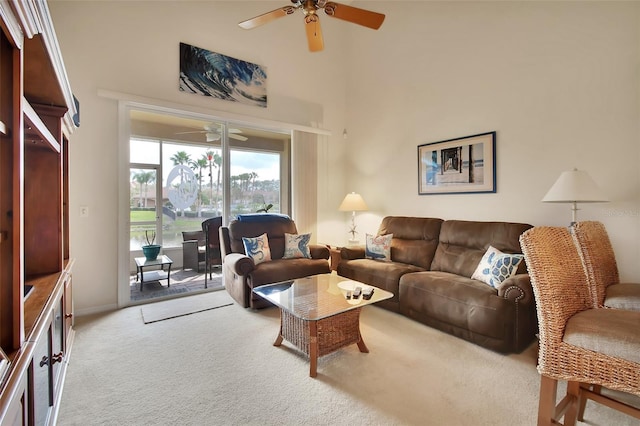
[463, 243]
[378, 247]
[296, 245]
[275, 233]
[257, 248]
[495, 267]
[384, 275]
[414, 238]
[459, 304]
[286, 269]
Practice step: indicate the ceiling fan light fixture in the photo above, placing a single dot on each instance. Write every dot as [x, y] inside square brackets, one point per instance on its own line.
[212, 137]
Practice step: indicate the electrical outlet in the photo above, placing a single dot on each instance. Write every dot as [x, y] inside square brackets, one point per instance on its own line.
[84, 211]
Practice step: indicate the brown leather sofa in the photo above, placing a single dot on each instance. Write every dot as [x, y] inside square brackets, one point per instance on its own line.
[240, 272]
[429, 274]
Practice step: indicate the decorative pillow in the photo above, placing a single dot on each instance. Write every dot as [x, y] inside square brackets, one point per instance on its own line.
[296, 246]
[378, 247]
[496, 266]
[257, 248]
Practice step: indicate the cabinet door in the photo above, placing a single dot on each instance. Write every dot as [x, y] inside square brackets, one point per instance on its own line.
[42, 378]
[68, 309]
[57, 346]
[18, 412]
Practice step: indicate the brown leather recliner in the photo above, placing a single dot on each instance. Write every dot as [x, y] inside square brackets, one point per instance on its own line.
[240, 272]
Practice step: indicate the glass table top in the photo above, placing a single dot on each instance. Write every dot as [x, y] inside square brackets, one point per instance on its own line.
[161, 260]
[319, 296]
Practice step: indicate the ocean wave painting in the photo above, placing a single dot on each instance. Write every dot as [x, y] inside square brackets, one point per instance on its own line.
[209, 73]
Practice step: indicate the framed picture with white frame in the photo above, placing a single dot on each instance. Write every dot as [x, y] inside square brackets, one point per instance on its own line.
[458, 166]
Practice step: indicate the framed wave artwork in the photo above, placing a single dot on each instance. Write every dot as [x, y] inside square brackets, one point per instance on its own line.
[208, 73]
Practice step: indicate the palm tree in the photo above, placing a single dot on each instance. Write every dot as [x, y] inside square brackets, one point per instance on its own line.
[199, 165]
[252, 177]
[182, 158]
[217, 161]
[144, 179]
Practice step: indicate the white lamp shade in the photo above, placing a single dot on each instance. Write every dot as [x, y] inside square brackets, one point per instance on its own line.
[353, 202]
[575, 186]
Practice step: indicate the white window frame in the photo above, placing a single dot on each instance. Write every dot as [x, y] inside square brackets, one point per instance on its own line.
[126, 103]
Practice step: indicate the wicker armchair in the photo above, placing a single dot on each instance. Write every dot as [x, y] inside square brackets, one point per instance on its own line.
[579, 344]
[602, 270]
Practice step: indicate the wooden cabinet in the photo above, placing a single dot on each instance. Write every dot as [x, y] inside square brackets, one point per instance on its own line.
[36, 110]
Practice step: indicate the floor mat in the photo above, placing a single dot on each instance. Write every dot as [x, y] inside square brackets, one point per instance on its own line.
[174, 308]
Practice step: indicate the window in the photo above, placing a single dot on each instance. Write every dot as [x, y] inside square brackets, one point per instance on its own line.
[178, 179]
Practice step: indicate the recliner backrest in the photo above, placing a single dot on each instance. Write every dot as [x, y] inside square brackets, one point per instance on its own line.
[275, 230]
[463, 243]
[414, 238]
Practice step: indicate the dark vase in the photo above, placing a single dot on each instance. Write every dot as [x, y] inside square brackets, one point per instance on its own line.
[151, 251]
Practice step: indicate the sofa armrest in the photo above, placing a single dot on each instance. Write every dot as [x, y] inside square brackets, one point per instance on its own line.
[517, 288]
[350, 253]
[239, 263]
[319, 251]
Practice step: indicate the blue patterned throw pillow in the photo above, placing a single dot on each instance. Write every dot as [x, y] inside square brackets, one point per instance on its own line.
[496, 266]
[257, 248]
[378, 247]
[296, 246]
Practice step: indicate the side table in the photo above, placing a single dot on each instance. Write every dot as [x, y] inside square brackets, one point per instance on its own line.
[335, 257]
[161, 261]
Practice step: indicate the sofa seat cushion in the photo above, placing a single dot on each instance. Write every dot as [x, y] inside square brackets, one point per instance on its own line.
[456, 304]
[286, 269]
[381, 274]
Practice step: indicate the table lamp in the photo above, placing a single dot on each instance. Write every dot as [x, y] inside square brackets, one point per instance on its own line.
[353, 202]
[575, 186]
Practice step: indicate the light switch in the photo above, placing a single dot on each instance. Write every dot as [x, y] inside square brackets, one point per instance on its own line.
[84, 211]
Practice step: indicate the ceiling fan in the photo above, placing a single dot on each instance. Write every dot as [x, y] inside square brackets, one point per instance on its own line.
[212, 133]
[310, 9]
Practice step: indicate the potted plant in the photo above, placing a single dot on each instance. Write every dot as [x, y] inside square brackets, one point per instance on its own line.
[151, 250]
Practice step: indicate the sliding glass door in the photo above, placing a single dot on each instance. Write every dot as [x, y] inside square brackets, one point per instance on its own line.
[184, 170]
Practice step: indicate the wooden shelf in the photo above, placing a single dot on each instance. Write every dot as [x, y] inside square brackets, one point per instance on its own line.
[36, 109]
[35, 131]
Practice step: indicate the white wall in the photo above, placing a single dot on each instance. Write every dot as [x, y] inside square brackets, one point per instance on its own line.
[559, 82]
[132, 47]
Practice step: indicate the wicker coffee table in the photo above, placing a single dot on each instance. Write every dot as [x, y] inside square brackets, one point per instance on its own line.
[316, 316]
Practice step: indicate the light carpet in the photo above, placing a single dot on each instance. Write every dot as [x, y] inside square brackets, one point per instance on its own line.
[169, 309]
[219, 367]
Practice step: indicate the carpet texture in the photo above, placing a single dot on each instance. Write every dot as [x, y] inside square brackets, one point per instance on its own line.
[219, 367]
[169, 309]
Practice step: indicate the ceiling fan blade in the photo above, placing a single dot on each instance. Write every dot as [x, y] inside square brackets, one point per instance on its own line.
[267, 17]
[237, 137]
[314, 32]
[363, 17]
[186, 133]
